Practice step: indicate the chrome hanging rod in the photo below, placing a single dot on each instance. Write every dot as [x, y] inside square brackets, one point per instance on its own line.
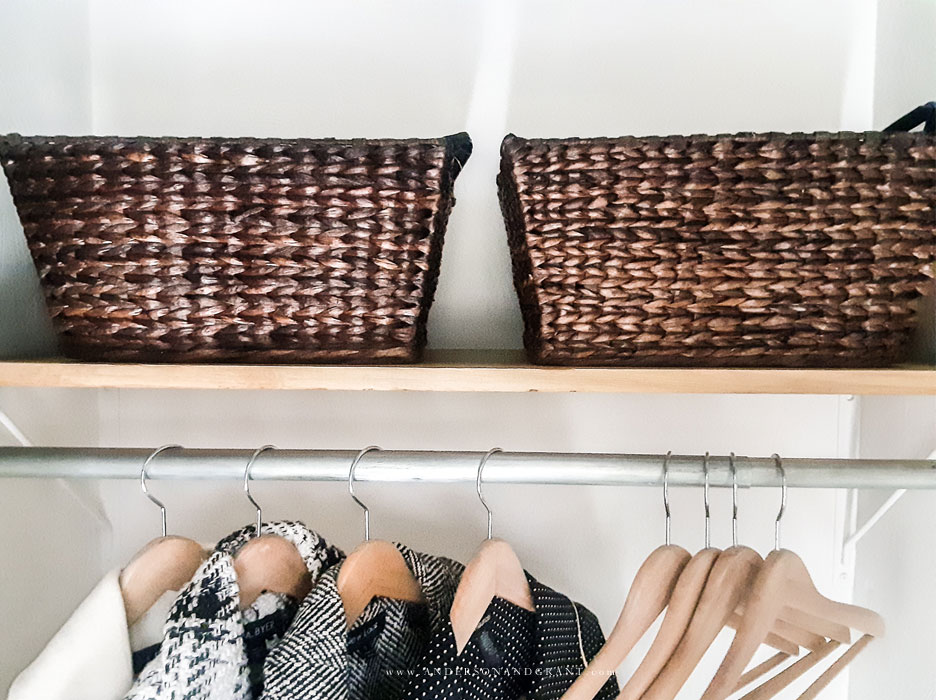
[461, 467]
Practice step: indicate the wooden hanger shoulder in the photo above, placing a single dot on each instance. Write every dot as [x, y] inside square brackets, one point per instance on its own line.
[165, 564]
[375, 569]
[731, 576]
[819, 625]
[782, 581]
[648, 596]
[494, 572]
[270, 563]
[681, 605]
[808, 598]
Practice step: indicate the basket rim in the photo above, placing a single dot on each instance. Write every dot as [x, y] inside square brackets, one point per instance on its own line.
[749, 136]
[14, 138]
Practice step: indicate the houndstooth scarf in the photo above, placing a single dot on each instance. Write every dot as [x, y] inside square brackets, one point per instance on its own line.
[211, 650]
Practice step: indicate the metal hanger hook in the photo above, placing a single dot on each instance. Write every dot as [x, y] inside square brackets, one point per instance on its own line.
[357, 500]
[705, 497]
[666, 507]
[146, 463]
[250, 463]
[490, 515]
[734, 499]
[783, 500]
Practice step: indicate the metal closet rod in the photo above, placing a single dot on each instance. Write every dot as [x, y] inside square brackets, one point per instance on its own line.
[461, 467]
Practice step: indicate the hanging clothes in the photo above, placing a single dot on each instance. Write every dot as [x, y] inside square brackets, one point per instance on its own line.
[321, 658]
[514, 653]
[211, 650]
[90, 657]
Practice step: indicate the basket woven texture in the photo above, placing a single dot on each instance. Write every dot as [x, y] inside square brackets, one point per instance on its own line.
[741, 250]
[170, 250]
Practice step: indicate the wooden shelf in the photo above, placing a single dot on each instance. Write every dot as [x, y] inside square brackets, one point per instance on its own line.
[469, 372]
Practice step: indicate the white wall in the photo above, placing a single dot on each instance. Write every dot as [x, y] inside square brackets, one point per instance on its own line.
[421, 67]
[50, 536]
[45, 87]
[896, 562]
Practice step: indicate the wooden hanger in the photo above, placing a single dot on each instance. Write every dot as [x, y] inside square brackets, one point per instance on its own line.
[495, 571]
[779, 682]
[782, 581]
[682, 606]
[651, 591]
[762, 669]
[730, 578]
[836, 668]
[376, 568]
[165, 564]
[681, 603]
[679, 610]
[722, 595]
[268, 563]
[648, 596]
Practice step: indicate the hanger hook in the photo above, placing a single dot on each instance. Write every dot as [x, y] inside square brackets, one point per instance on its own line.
[357, 500]
[705, 496]
[250, 462]
[146, 463]
[666, 507]
[490, 516]
[734, 499]
[783, 498]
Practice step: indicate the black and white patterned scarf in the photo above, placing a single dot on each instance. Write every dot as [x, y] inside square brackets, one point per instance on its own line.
[211, 650]
[320, 659]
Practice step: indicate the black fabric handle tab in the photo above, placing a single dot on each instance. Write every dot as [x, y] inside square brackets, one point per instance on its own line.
[924, 114]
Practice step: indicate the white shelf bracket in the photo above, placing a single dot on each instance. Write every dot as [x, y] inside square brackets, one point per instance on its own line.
[855, 537]
[852, 540]
[87, 500]
[13, 429]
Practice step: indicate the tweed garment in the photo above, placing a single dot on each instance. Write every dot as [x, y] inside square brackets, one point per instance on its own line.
[319, 658]
[205, 653]
[514, 653]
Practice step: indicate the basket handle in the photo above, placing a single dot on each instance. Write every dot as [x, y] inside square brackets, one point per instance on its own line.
[924, 114]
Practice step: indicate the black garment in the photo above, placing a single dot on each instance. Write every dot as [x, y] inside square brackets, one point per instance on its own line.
[514, 653]
[320, 659]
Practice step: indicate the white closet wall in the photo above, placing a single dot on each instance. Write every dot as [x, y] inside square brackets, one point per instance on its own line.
[896, 566]
[423, 68]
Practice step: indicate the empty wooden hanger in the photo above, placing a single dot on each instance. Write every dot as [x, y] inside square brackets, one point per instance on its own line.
[784, 580]
[375, 568]
[723, 594]
[649, 594]
[682, 606]
[682, 602]
[774, 685]
[166, 564]
[495, 571]
[794, 627]
[268, 562]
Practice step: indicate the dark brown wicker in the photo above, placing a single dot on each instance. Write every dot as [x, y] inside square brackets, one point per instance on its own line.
[168, 250]
[740, 250]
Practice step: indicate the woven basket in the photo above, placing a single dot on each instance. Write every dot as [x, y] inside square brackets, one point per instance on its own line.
[173, 250]
[745, 250]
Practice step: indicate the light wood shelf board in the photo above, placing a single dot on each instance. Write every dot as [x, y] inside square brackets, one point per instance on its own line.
[495, 371]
